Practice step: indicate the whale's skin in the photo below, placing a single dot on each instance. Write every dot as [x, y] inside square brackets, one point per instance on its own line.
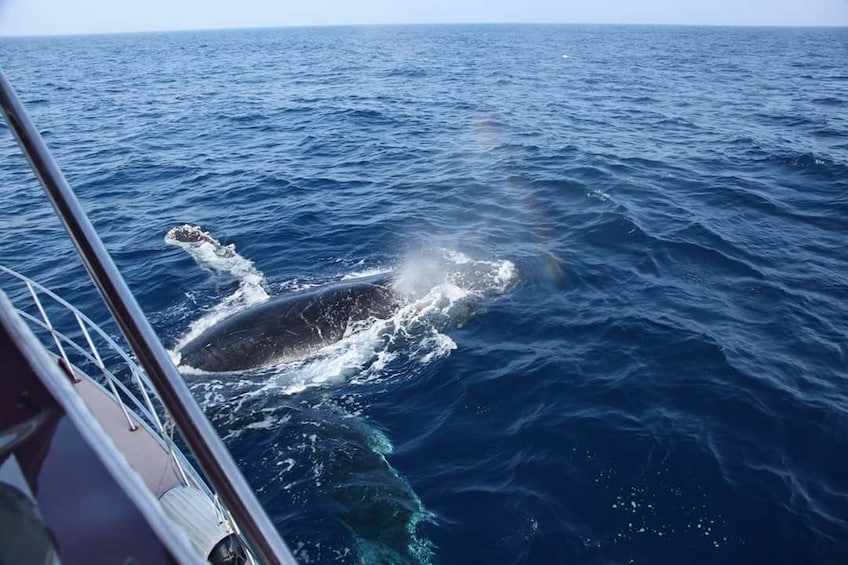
[289, 326]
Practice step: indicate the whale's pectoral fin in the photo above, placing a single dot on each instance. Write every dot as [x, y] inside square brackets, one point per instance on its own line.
[194, 235]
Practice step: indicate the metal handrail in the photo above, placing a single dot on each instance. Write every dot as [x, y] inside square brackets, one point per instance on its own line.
[142, 382]
[144, 411]
[210, 452]
[98, 361]
[47, 322]
[32, 286]
[143, 407]
[150, 419]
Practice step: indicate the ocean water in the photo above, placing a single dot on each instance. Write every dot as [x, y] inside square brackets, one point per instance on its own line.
[623, 252]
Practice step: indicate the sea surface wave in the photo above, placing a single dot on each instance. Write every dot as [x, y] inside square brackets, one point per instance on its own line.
[629, 339]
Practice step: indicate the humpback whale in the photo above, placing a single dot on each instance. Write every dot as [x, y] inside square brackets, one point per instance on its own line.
[289, 326]
[285, 326]
[423, 296]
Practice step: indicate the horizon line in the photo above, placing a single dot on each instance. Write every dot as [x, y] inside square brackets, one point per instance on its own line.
[388, 24]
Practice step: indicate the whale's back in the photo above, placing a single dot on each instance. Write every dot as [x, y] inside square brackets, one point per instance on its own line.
[288, 326]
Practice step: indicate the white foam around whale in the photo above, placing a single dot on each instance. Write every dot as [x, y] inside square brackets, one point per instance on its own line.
[439, 290]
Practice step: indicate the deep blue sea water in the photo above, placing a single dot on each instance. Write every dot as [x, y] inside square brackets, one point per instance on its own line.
[629, 339]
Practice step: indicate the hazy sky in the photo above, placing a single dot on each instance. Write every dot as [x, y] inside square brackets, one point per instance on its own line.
[24, 17]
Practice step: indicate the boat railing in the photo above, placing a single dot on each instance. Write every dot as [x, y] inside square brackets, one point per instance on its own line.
[116, 371]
